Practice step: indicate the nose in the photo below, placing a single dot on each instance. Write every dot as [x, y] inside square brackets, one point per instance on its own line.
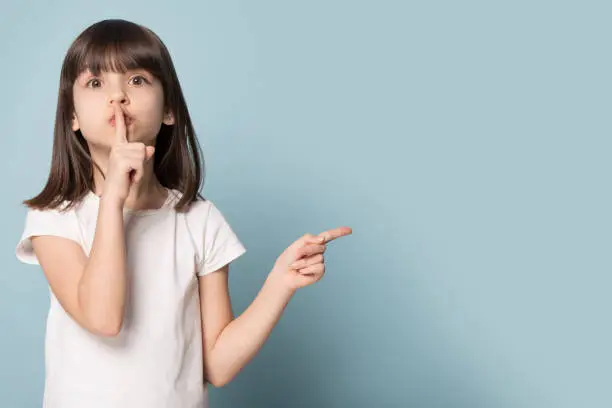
[118, 96]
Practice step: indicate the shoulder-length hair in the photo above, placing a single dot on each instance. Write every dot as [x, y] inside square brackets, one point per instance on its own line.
[120, 46]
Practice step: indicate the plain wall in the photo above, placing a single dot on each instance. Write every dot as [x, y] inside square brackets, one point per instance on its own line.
[466, 143]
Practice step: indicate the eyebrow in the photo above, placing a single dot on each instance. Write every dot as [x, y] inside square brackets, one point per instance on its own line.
[87, 73]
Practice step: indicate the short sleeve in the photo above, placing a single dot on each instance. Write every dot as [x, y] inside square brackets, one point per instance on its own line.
[46, 222]
[221, 245]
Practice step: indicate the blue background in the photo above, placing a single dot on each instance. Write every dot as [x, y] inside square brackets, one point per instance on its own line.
[466, 143]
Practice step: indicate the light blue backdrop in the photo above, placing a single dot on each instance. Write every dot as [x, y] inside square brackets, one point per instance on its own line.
[466, 143]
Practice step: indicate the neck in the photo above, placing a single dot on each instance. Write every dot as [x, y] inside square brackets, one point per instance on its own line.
[148, 194]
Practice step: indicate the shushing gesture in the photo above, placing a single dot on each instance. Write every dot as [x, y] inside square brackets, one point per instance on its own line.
[126, 161]
[303, 263]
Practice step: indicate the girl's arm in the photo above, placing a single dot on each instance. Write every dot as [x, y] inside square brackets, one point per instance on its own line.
[228, 343]
[91, 290]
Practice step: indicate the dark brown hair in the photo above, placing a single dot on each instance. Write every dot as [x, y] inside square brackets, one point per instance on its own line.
[120, 46]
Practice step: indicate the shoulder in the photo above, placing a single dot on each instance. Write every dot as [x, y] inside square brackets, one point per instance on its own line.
[200, 206]
[59, 222]
[68, 218]
[197, 211]
[63, 212]
[205, 218]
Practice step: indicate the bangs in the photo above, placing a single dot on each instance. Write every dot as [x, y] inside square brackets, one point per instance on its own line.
[120, 46]
[115, 46]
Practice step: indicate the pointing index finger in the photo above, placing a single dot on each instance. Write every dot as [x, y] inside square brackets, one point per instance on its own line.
[330, 235]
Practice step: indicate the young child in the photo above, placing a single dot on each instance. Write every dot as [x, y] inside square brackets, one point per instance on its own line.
[136, 259]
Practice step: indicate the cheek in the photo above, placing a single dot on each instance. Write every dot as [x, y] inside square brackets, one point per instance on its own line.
[87, 107]
[91, 113]
[149, 106]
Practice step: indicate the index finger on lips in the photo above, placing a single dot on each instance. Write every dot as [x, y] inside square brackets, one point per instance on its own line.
[120, 130]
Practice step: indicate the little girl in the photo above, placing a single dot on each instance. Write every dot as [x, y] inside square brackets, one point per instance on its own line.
[136, 259]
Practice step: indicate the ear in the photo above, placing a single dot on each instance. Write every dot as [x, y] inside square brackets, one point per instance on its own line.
[75, 123]
[168, 118]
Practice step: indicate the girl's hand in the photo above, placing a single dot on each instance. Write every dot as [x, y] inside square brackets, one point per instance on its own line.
[302, 263]
[126, 161]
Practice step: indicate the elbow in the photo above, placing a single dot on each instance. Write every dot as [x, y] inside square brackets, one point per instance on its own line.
[218, 379]
[110, 331]
[219, 384]
[108, 328]
[216, 384]
[105, 323]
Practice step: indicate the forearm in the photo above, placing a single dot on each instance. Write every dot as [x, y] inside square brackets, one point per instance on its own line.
[242, 338]
[102, 287]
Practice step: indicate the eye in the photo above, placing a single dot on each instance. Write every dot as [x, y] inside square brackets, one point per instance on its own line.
[93, 83]
[138, 80]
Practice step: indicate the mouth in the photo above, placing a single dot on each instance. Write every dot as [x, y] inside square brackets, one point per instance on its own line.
[127, 119]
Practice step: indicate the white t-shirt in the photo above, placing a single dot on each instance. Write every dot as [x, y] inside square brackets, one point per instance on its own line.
[156, 360]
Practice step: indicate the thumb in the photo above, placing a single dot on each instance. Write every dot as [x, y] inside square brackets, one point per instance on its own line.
[150, 151]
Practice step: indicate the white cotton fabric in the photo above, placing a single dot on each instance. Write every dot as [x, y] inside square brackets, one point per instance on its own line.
[156, 360]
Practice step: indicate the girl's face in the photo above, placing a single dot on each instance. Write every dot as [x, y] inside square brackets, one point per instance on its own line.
[139, 94]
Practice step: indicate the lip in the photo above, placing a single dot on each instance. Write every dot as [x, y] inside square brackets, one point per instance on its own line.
[128, 120]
